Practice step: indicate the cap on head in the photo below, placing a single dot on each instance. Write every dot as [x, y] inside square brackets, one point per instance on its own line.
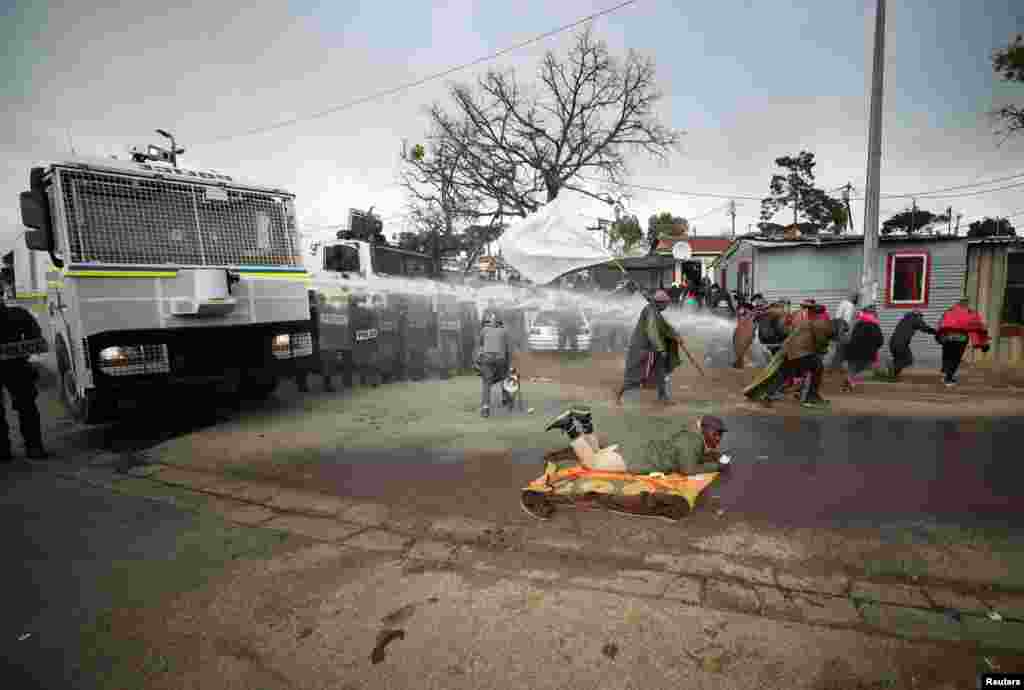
[662, 296]
[709, 423]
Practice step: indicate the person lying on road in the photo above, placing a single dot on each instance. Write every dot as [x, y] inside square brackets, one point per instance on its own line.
[684, 452]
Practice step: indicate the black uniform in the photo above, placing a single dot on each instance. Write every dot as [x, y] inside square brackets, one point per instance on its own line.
[899, 341]
[19, 379]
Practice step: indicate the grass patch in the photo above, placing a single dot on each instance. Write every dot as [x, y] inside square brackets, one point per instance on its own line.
[912, 566]
[444, 415]
[111, 659]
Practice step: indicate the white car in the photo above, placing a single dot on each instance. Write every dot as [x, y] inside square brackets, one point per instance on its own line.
[545, 335]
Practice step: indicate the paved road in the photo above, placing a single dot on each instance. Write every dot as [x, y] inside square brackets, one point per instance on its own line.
[788, 472]
[61, 540]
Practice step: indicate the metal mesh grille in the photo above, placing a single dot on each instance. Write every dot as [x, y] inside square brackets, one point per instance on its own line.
[302, 344]
[140, 359]
[127, 220]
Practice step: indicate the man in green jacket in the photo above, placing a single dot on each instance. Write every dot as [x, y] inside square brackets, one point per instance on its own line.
[684, 452]
[652, 337]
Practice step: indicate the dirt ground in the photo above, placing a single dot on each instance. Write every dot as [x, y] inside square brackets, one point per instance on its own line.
[319, 616]
[981, 393]
[331, 616]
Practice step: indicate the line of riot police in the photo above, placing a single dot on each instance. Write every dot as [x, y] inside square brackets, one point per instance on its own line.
[372, 338]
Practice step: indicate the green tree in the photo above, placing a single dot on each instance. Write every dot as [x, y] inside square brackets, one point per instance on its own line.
[991, 227]
[664, 226]
[911, 221]
[1008, 63]
[795, 189]
[627, 232]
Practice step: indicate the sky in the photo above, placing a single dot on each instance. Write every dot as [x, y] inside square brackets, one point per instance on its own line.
[747, 81]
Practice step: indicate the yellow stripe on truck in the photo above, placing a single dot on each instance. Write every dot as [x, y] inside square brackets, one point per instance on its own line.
[120, 274]
[304, 277]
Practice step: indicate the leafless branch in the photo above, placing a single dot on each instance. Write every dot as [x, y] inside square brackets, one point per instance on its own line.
[513, 147]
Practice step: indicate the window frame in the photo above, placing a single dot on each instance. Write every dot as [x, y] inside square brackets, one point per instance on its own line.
[890, 277]
[1008, 328]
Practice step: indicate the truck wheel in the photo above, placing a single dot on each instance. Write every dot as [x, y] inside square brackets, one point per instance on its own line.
[85, 409]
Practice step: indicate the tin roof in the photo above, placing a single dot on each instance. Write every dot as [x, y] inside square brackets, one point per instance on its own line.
[1003, 239]
[821, 242]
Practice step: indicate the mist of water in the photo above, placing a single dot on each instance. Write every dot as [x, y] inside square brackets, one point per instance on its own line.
[619, 310]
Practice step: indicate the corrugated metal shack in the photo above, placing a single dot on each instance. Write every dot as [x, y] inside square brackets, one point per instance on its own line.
[995, 286]
[925, 273]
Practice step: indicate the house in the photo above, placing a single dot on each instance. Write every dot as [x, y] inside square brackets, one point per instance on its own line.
[995, 287]
[703, 249]
[923, 272]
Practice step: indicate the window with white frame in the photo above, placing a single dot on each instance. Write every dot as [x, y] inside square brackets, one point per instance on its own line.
[908, 274]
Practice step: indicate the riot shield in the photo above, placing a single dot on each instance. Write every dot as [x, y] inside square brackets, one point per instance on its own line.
[363, 320]
[418, 326]
[390, 361]
[470, 331]
[334, 333]
[449, 334]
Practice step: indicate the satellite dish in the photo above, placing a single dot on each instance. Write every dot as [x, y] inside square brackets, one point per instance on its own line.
[681, 251]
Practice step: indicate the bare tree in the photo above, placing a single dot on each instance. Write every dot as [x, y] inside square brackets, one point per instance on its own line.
[514, 148]
[1008, 63]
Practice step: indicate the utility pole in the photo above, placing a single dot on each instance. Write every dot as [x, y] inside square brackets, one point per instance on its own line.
[869, 281]
[949, 220]
[846, 203]
[958, 217]
[732, 212]
[913, 216]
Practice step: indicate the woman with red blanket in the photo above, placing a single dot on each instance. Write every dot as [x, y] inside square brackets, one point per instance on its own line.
[960, 326]
[861, 352]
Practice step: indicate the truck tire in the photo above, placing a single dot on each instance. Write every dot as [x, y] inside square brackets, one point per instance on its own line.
[89, 408]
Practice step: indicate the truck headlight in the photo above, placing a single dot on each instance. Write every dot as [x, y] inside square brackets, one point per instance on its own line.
[281, 346]
[126, 360]
[117, 356]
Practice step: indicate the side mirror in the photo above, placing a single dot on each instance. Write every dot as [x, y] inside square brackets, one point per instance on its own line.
[35, 213]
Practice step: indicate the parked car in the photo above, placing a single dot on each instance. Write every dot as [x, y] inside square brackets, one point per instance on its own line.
[545, 332]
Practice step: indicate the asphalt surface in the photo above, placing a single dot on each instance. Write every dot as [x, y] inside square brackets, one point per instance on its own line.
[61, 540]
[796, 472]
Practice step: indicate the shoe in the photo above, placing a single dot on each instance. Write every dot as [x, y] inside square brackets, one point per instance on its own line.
[36, 453]
[485, 411]
[574, 421]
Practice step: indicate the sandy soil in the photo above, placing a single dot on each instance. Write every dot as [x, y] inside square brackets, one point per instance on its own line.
[981, 393]
[312, 618]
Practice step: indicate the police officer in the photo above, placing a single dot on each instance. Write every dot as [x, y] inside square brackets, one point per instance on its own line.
[494, 359]
[18, 377]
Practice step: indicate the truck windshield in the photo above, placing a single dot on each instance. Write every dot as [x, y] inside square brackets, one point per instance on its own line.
[393, 262]
[341, 258]
[129, 220]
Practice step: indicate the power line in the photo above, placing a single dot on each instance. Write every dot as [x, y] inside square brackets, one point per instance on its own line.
[976, 193]
[424, 80]
[924, 195]
[947, 189]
